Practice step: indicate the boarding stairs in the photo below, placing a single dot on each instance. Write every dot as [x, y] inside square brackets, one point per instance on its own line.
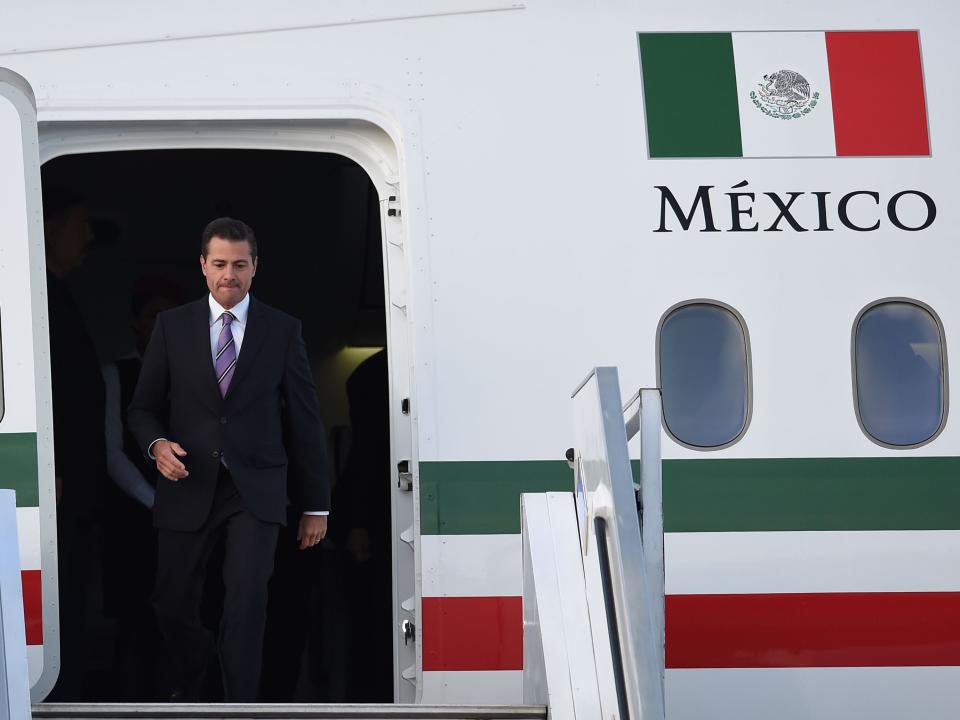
[593, 581]
[593, 593]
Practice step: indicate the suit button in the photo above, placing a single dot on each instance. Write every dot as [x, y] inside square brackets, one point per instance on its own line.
[223, 421]
[216, 453]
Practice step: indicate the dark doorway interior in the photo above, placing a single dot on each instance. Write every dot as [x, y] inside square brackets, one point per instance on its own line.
[316, 216]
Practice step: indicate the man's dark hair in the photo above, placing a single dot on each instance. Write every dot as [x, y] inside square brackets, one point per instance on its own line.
[228, 228]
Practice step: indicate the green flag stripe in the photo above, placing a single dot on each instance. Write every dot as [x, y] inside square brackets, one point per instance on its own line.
[18, 467]
[690, 94]
[903, 493]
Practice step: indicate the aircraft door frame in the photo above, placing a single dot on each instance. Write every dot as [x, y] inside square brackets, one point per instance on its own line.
[360, 136]
[26, 414]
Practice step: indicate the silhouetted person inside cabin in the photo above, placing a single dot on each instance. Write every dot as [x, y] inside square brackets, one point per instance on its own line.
[79, 453]
[363, 502]
[128, 538]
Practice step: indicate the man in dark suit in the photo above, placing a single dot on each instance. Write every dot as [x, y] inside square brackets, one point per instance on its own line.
[226, 407]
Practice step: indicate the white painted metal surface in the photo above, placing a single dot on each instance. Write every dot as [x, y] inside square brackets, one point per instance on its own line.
[26, 364]
[813, 562]
[472, 686]
[455, 124]
[869, 692]
[560, 669]
[476, 565]
[14, 677]
[528, 207]
[642, 417]
[651, 514]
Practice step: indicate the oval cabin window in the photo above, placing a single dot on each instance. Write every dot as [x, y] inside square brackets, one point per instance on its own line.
[899, 373]
[703, 365]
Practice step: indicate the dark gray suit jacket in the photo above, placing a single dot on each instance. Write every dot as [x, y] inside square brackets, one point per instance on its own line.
[267, 429]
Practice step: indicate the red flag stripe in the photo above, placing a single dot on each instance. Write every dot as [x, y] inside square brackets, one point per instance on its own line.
[32, 606]
[876, 81]
[813, 630]
[472, 633]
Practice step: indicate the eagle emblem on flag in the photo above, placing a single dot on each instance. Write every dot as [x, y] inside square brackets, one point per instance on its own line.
[784, 94]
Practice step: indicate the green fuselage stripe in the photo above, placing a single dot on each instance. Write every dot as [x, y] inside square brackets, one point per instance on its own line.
[481, 498]
[891, 493]
[18, 467]
[690, 94]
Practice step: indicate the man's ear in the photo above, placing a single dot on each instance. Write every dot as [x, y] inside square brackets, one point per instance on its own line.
[255, 261]
[203, 265]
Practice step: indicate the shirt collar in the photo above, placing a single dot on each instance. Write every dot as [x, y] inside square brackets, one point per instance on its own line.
[239, 311]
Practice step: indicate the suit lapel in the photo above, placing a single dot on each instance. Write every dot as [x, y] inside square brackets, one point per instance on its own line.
[253, 336]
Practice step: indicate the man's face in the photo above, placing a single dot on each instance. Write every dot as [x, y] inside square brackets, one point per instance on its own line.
[229, 268]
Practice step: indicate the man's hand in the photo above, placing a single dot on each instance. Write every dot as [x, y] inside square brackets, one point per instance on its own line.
[311, 531]
[166, 453]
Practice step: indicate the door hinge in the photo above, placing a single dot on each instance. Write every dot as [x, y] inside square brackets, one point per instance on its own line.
[404, 476]
[393, 206]
[409, 631]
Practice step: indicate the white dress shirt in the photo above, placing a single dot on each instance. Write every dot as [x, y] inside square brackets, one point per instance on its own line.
[237, 327]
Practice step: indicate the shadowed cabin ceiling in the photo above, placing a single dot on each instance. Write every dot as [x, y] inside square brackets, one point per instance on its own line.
[315, 216]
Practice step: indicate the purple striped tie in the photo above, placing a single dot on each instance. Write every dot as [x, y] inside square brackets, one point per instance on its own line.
[226, 358]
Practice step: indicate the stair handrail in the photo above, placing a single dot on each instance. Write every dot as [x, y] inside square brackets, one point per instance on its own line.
[631, 562]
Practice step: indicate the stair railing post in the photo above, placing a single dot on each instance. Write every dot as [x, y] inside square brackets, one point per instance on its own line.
[651, 522]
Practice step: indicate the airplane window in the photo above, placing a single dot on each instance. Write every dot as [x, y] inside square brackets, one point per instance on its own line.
[899, 373]
[704, 372]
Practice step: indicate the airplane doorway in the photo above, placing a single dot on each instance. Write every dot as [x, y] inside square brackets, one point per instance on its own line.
[317, 219]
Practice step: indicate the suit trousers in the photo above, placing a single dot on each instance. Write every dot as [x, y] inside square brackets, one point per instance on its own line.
[249, 546]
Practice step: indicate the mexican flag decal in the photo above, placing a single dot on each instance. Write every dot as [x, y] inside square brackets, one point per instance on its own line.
[784, 94]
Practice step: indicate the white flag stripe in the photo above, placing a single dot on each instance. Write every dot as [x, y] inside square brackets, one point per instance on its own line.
[28, 537]
[812, 562]
[877, 693]
[471, 565]
[756, 54]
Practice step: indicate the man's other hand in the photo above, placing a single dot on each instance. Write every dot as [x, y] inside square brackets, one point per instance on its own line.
[167, 454]
[311, 531]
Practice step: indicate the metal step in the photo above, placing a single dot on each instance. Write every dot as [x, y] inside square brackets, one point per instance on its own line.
[225, 711]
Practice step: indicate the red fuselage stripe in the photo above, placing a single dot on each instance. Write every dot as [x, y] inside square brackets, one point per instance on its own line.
[813, 630]
[472, 633]
[32, 606]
